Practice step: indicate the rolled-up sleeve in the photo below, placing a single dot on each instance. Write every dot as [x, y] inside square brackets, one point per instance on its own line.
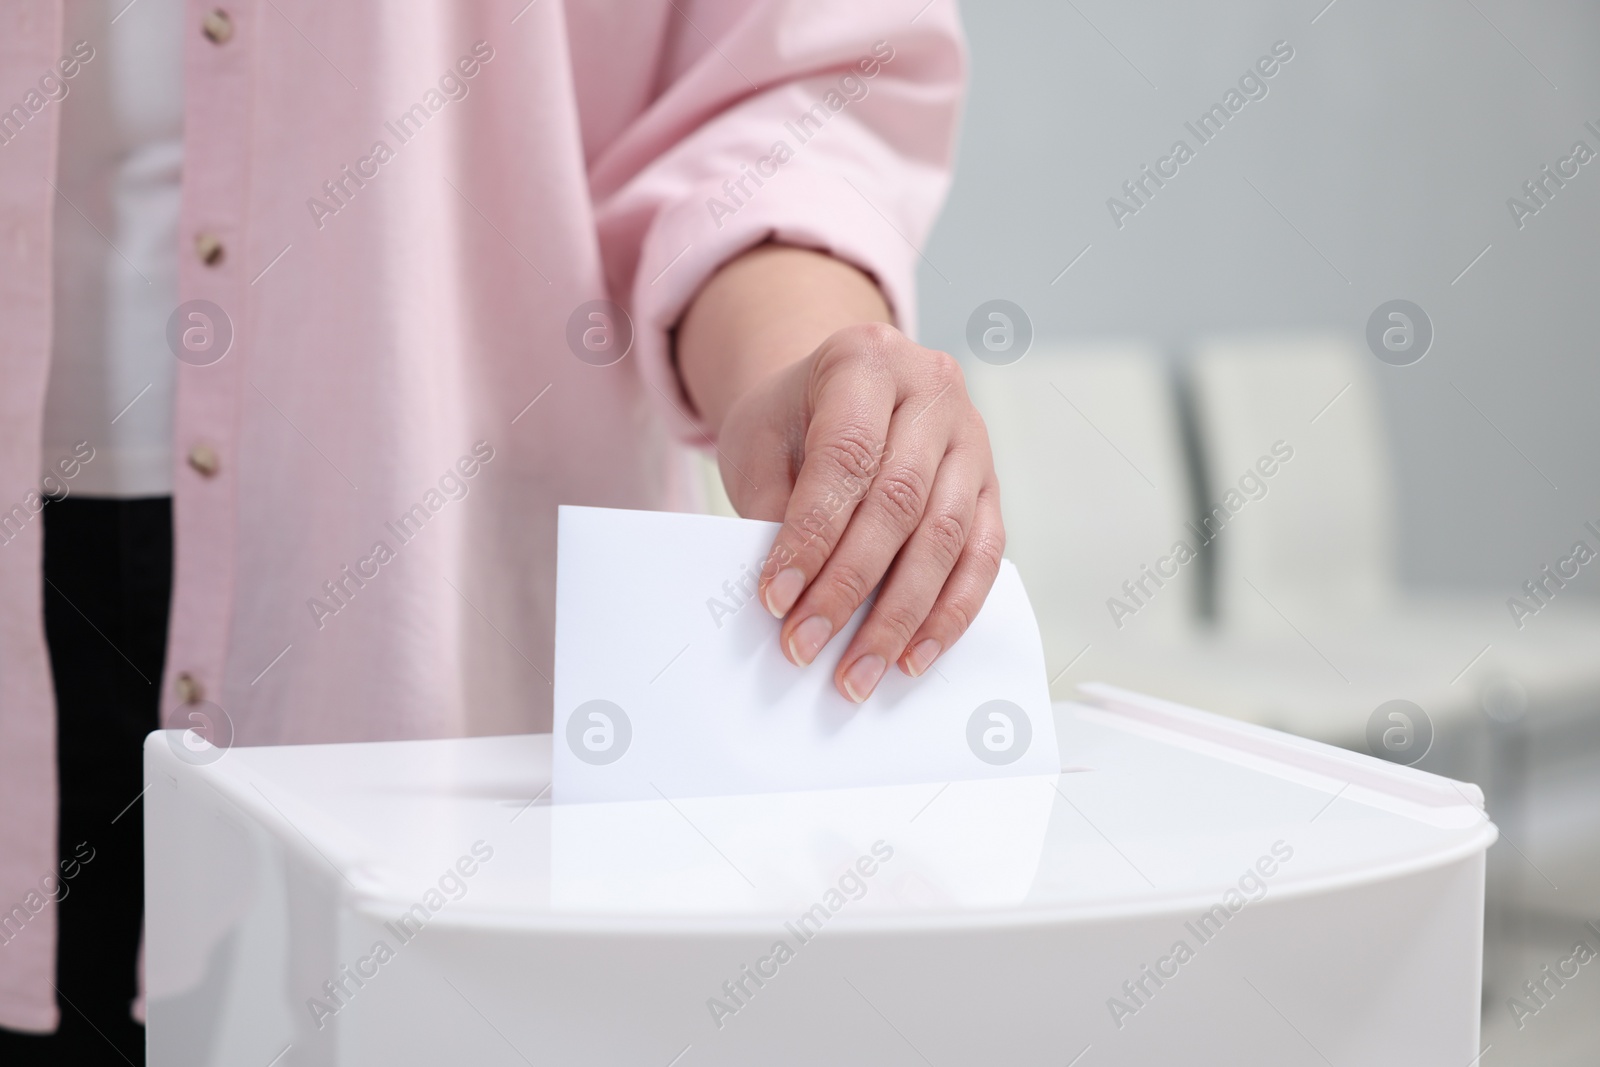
[823, 125]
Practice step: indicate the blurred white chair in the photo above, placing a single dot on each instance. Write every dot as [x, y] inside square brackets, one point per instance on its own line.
[1307, 593]
[1322, 533]
[1094, 490]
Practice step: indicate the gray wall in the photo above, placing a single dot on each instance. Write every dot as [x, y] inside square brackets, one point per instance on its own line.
[1391, 142]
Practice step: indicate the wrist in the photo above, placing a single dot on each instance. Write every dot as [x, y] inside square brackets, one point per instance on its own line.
[761, 313]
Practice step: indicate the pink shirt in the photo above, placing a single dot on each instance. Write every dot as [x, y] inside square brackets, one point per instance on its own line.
[372, 554]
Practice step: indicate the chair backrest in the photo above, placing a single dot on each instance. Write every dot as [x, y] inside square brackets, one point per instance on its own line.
[1089, 453]
[1318, 531]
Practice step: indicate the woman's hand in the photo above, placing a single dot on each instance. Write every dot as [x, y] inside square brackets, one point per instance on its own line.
[878, 465]
[864, 445]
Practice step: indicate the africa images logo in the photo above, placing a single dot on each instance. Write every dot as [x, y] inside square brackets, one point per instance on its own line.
[999, 732]
[599, 732]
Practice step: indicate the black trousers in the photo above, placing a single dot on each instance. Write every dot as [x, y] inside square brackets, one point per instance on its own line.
[108, 585]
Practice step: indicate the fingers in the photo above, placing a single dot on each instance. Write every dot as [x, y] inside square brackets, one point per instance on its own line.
[895, 485]
[965, 590]
[914, 582]
[884, 520]
[844, 448]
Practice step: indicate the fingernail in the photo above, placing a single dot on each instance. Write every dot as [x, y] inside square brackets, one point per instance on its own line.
[808, 639]
[862, 677]
[783, 591]
[922, 656]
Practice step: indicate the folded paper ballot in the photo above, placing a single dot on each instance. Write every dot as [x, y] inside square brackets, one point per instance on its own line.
[669, 681]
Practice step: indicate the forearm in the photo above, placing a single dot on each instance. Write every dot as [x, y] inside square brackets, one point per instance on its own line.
[767, 309]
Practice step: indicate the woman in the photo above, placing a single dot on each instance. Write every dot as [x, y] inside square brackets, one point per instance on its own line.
[308, 330]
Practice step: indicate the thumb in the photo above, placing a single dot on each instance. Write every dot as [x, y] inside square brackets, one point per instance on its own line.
[762, 443]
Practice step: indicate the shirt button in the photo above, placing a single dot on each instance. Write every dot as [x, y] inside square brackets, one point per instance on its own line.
[217, 26]
[189, 688]
[203, 458]
[208, 246]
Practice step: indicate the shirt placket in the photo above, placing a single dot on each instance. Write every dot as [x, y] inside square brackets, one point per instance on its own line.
[212, 322]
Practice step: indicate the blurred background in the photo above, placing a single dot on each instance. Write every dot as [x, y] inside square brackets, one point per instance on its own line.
[1171, 352]
[1196, 367]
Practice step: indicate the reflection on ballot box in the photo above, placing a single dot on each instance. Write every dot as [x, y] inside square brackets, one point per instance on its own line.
[1188, 888]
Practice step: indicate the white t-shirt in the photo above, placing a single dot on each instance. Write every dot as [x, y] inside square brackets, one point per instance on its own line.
[112, 375]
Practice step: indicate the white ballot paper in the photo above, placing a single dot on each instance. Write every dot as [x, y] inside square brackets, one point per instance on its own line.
[669, 681]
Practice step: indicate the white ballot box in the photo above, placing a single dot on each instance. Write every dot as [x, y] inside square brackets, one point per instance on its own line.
[1189, 889]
